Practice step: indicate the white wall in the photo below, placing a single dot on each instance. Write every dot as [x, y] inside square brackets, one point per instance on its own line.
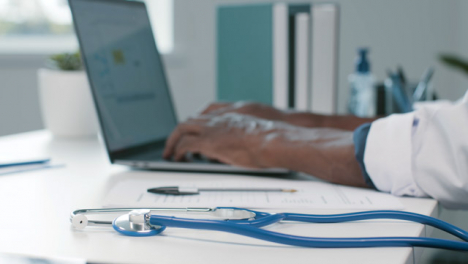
[463, 22]
[399, 32]
[19, 106]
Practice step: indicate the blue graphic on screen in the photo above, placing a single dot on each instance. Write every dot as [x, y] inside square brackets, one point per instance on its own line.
[126, 72]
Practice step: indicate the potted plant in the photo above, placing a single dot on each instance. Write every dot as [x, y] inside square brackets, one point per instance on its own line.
[65, 97]
[455, 62]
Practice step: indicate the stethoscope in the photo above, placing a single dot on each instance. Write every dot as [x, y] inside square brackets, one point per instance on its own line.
[141, 222]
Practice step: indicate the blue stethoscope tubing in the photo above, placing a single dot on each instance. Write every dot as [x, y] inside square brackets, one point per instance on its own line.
[251, 228]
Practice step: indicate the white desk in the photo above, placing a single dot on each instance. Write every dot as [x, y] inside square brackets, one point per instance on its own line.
[35, 208]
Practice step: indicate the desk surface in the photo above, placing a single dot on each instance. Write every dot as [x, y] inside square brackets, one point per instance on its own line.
[36, 205]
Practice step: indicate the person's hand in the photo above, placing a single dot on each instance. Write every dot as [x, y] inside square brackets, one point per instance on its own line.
[292, 117]
[302, 119]
[230, 138]
[245, 108]
[252, 142]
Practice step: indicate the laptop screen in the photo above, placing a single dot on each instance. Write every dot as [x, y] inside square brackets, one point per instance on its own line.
[125, 72]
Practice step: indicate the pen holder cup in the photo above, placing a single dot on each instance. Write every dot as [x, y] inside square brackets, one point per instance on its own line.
[389, 101]
[66, 103]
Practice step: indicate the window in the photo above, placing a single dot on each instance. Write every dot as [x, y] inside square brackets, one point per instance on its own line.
[45, 26]
[162, 16]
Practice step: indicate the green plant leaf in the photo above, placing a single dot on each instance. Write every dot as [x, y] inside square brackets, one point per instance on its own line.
[454, 62]
[66, 61]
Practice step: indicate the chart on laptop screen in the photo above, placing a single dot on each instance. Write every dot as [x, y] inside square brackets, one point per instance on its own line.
[125, 71]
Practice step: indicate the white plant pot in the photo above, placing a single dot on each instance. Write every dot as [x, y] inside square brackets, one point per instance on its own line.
[66, 103]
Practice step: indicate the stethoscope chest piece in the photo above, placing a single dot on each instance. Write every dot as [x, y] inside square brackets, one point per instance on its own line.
[136, 223]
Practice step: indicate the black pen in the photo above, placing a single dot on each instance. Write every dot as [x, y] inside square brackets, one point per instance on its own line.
[175, 190]
[401, 75]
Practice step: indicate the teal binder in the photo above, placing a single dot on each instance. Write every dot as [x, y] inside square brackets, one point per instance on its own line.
[245, 53]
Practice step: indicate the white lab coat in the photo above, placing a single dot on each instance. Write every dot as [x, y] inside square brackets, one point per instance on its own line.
[422, 153]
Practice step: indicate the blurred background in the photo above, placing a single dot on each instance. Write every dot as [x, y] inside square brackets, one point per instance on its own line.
[399, 32]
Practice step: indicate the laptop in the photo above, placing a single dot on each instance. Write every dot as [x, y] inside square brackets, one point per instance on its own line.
[129, 86]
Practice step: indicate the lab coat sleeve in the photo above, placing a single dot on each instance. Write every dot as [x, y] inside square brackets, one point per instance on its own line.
[422, 153]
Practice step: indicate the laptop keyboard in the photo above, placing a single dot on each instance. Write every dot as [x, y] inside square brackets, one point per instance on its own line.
[156, 155]
[152, 155]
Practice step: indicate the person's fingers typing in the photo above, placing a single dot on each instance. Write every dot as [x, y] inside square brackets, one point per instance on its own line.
[184, 128]
[187, 144]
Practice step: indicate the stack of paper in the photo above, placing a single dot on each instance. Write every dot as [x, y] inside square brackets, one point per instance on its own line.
[310, 194]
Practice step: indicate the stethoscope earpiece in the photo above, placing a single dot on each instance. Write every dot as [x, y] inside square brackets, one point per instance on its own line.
[79, 221]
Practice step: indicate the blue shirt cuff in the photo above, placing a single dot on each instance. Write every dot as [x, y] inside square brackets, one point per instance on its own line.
[360, 139]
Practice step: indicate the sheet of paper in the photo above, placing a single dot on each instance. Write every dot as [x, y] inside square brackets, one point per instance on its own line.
[310, 194]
